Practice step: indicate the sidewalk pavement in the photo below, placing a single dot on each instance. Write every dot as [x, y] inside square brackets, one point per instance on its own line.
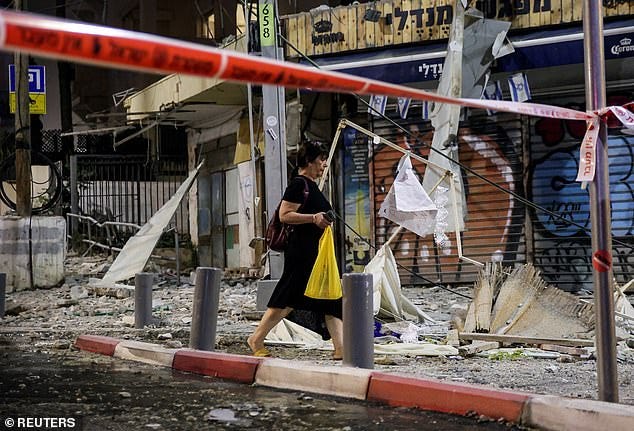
[398, 390]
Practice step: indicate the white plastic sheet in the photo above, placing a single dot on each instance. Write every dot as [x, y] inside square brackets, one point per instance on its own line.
[135, 253]
[388, 298]
[407, 204]
[387, 284]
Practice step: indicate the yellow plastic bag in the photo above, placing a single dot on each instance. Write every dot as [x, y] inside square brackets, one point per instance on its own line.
[324, 281]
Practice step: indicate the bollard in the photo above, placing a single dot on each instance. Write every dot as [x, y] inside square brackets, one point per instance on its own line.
[205, 309]
[358, 321]
[143, 299]
[178, 258]
[3, 291]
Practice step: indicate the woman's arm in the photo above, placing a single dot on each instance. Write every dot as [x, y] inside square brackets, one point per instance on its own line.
[289, 215]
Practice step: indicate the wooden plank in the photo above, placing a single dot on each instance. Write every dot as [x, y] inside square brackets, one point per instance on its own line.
[303, 35]
[545, 17]
[576, 351]
[292, 32]
[332, 46]
[342, 18]
[397, 35]
[483, 300]
[513, 339]
[388, 30]
[470, 319]
[368, 28]
[351, 34]
[555, 13]
[477, 347]
[318, 49]
[577, 11]
[407, 31]
[424, 33]
[428, 32]
[541, 17]
[523, 20]
[416, 14]
[441, 31]
[566, 10]
[361, 42]
[621, 9]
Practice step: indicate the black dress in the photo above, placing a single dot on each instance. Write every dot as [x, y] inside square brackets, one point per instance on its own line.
[299, 259]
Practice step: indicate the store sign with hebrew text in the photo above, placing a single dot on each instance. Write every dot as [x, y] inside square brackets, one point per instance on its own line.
[390, 23]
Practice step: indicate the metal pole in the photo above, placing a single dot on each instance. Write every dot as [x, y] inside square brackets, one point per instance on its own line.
[600, 207]
[274, 115]
[178, 255]
[358, 321]
[3, 291]
[205, 309]
[74, 194]
[143, 299]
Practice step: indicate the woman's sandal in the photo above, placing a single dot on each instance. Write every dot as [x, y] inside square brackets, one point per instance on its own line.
[337, 356]
[262, 353]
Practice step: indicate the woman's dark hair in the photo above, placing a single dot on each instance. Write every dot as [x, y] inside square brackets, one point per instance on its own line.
[309, 151]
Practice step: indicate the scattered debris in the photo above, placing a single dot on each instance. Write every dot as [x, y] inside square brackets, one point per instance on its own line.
[41, 325]
[516, 339]
[477, 347]
[518, 307]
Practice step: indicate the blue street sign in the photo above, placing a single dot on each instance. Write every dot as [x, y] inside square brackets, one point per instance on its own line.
[37, 79]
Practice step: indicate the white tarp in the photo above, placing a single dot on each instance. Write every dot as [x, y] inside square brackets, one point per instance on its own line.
[387, 284]
[474, 43]
[407, 204]
[291, 334]
[388, 298]
[135, 253]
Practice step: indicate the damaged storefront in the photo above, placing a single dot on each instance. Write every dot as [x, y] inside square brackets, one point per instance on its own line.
[506, 161]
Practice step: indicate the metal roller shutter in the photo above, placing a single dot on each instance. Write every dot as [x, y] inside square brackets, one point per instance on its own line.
[492, 147]
[563, 251]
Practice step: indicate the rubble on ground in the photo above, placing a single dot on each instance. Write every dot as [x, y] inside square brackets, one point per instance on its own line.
[51, 319]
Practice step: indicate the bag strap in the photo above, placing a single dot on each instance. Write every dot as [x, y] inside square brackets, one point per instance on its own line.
[306, 192]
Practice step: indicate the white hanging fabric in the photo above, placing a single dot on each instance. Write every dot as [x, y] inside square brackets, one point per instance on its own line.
[407, 204]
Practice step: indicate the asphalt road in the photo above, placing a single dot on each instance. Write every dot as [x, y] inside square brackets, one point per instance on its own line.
[70, 390]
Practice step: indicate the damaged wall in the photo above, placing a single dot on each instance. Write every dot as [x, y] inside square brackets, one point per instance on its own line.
[40, 241]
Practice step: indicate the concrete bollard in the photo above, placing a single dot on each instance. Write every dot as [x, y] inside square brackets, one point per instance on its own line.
[143, 299]
[205, 309]
[3, 291]
[358, 321]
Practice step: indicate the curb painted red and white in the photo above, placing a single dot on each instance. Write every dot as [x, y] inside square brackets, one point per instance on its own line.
[398, 390]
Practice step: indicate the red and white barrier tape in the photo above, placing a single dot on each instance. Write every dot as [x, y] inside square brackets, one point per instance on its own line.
[105, 46]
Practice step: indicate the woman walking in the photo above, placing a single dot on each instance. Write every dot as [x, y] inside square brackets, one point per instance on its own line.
[303, 206]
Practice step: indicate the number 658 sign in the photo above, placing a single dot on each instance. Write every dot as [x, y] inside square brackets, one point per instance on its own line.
[267, 24]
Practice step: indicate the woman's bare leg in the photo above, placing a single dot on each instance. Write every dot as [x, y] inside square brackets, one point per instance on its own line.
[272, 316]
[335, 328]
